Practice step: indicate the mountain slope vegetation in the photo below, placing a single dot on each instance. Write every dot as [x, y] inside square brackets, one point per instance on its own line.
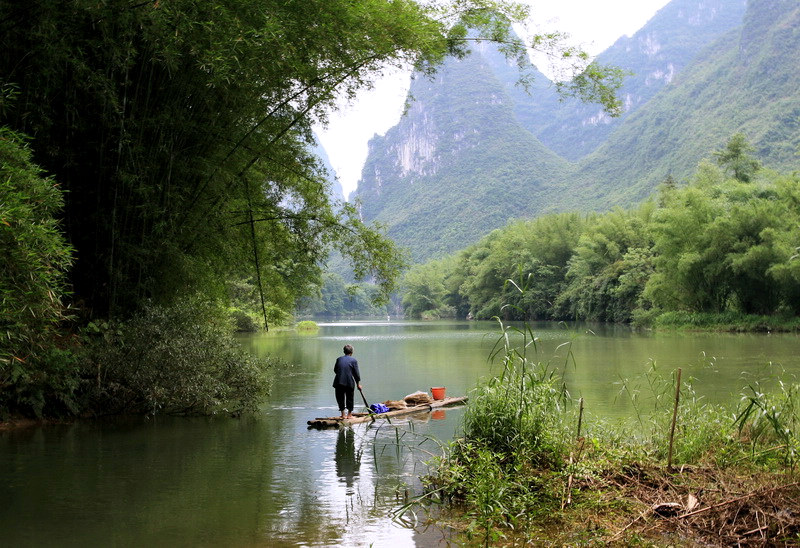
[746, 82]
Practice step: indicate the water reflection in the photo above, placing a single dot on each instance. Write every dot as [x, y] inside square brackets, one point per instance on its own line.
[348, 460]
[269, 481]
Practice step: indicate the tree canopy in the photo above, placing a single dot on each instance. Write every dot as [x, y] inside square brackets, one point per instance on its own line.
[724, 243]
[181, 130]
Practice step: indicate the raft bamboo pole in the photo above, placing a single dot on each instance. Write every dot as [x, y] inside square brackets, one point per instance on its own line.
[571, 454]
[366, 417]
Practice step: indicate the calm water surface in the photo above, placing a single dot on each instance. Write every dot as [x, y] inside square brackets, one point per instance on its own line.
[269, 481]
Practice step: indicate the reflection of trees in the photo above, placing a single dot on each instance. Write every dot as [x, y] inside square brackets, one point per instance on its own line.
[400, 450]
[347, 460]
[132, 473]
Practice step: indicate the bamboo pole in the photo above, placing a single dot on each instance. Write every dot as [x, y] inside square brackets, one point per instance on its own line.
[568, 499]
[674, 418]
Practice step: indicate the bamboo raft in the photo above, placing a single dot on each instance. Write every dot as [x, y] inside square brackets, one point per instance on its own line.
[327, 422]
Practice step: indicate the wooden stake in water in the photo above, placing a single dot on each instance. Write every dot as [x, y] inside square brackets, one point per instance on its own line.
[674, 418]
[568, 499]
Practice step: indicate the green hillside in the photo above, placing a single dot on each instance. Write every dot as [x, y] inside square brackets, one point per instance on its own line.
[748, 82]
[653, 56]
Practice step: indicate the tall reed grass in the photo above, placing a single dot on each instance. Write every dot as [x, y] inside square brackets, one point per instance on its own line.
[521, 458]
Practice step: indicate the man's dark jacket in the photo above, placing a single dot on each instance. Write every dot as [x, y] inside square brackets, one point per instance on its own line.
[346, 371]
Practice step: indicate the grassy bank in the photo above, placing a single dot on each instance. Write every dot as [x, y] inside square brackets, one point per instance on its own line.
[534, 467]
[727, 321]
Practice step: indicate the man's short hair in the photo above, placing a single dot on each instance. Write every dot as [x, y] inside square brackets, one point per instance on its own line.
[348, 349]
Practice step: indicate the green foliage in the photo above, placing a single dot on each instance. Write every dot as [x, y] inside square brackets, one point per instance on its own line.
[512, 427]
[338, 299]
[33, 253]
[726, 321]
[425, 294]
[718, 252]
[246, 306]
[182, 134]
[772, 419]
[244, 322]
[610, 266]
[180, 359]
[718, 243]
[534, 253]
[46, 385]
[307, 325]
[34, 257]
[736, 158]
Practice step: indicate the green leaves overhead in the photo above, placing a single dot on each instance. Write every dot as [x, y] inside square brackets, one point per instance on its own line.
[181, 131]
[33, 255]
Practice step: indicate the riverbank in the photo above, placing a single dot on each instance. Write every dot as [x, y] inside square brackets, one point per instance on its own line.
[726, 322]
[644, 503]
[533, 467]
[20, 423]
[591, 499]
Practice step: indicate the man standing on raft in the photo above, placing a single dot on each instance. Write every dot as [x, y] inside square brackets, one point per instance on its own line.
[346, 379]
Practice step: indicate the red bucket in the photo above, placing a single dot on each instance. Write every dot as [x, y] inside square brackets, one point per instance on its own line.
[438, 392]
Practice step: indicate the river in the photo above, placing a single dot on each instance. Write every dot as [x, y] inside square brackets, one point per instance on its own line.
[267, 480]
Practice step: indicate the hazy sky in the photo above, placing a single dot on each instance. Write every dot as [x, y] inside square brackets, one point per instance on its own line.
[594, 24]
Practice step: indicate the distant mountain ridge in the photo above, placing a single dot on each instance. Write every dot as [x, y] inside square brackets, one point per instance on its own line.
[461, 122]
[336, 192]
[655, 55]
[747, 81]
[474, 151]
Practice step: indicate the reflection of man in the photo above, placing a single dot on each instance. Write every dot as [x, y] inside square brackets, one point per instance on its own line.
[346, 379]
[347, 464]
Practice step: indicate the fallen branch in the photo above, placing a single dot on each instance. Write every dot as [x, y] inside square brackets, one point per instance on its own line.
[758, 530]
[737, 499]
[618, 533]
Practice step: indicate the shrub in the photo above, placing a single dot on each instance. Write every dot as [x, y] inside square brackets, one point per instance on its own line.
[45, 386]
[307, 325]
[515, 435]
[179, 359]
[244, 322]
[517, 415]
[33, 260]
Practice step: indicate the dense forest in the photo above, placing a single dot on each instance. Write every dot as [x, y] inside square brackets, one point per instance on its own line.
[725, 244]
[158, 179]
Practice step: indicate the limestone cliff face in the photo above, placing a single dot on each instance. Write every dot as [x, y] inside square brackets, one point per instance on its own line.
[416, 151]
[453, 160]
[439, 126]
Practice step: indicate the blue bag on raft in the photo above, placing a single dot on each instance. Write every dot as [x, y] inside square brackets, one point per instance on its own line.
[378, 408]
